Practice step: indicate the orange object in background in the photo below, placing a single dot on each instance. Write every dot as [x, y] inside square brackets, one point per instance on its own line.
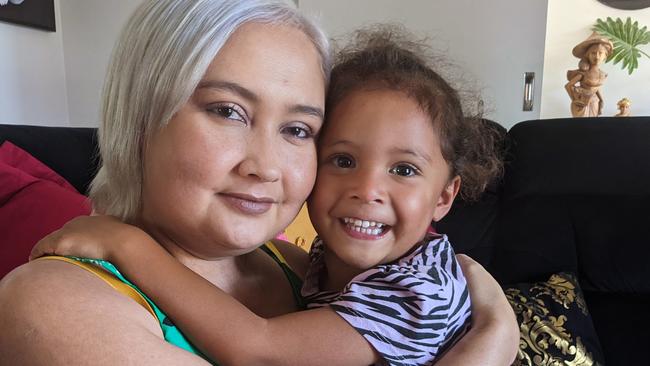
[300, 231]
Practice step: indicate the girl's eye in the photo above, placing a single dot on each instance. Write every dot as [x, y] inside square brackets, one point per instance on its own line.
[404, 170]
[230, 111]
[298, 132]
[342, 161]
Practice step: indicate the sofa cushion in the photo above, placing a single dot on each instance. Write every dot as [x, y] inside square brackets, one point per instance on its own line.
[34, 201]
[69, 151]
[621, 321]
[575, 198]
[555, 326]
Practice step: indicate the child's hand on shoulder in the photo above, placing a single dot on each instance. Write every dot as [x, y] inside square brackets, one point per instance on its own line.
[87, 236]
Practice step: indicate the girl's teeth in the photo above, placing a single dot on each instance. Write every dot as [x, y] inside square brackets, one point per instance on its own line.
[364, 226]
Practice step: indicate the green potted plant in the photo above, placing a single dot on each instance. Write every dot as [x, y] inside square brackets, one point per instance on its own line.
[626, 37]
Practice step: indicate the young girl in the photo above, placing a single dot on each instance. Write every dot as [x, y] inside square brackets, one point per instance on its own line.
[381, 288]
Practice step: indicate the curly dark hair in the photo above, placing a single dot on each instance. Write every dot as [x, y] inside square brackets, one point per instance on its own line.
[387, 56]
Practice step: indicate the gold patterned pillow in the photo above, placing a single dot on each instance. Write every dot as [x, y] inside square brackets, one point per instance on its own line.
[555, 326]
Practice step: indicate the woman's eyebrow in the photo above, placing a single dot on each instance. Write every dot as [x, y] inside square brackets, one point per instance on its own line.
[307, 109]
[229, 86]
[249, 95]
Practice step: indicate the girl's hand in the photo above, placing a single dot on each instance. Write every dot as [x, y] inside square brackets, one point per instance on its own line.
[86, 236]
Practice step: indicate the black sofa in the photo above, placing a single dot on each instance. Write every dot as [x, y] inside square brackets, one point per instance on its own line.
[575, 197]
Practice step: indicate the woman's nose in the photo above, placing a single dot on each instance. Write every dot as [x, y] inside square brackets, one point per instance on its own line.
[260, 162]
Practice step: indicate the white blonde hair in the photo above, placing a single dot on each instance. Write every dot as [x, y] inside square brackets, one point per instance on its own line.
[162, 54]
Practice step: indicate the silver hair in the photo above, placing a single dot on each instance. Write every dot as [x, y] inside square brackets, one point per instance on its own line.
[162, 54]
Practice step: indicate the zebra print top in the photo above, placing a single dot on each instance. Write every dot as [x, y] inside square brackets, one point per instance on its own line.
[410, 310]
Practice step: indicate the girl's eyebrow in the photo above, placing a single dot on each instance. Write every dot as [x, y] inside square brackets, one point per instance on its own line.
[340, 142]
[396, 150]
[251, 96]
[415, 153]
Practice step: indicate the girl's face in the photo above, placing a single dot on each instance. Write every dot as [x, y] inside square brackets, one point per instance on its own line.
[235, 163]
[381, 179]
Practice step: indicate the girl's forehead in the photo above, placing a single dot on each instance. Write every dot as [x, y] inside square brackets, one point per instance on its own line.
[380, 118]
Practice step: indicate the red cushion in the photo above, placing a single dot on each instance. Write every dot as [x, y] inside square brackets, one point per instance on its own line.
[34, 201]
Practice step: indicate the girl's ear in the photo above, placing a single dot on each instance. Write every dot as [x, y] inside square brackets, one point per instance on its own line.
[446, 198]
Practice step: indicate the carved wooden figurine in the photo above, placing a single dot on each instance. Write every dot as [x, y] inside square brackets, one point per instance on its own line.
[585, 82]
[623, 108]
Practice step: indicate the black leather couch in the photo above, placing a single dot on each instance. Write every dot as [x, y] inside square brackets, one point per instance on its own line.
[575, 197]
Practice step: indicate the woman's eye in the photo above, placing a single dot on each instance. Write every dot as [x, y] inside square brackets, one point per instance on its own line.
[298, 132]
[343, 162]
[404, 170]
[228, 112]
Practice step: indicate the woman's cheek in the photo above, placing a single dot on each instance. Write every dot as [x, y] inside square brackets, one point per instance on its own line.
[302, 170]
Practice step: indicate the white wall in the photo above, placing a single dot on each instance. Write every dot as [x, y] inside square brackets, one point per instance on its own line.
[495, 41]
[56, 78]
[569, 23]
[90, 30]
[32, 81]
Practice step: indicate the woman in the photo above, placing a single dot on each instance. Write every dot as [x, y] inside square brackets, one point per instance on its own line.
[209, 117]
[585, 82]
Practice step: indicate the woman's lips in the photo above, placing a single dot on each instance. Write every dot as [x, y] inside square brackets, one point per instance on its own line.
[247, 204]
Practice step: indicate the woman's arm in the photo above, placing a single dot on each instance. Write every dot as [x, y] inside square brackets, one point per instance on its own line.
[220, 326]
[54, 313]
[494, 337]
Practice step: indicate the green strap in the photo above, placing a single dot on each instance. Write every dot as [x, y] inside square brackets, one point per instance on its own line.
[294, 281]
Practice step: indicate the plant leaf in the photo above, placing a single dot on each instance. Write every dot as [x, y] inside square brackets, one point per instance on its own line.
[626, 37]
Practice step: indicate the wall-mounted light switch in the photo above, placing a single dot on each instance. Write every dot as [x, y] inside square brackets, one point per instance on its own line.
[529, 87]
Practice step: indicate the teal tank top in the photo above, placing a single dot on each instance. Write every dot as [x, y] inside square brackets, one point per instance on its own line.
[171, 333]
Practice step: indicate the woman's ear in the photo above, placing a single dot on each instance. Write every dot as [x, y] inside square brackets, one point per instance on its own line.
[446, 198]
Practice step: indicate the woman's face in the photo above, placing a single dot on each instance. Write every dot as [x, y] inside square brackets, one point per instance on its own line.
[235, 163]
[597, 54]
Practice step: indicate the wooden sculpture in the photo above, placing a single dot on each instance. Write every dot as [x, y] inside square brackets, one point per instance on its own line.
[623, 108]
[585, 82]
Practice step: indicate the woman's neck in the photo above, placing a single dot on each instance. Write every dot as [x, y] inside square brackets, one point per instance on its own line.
[226, 271]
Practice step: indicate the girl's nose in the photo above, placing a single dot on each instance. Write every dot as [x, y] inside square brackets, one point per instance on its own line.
[368, 187]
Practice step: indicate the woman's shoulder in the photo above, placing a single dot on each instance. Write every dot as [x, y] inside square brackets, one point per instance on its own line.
[60, 305]
[51, 283]
[56, 292]
[44, 277]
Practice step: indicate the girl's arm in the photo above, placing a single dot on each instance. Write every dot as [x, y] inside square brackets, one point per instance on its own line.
[228, 332]
[220, 326]
[494, 337]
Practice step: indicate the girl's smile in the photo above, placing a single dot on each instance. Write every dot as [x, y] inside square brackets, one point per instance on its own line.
[364, 229]
[381, 180]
